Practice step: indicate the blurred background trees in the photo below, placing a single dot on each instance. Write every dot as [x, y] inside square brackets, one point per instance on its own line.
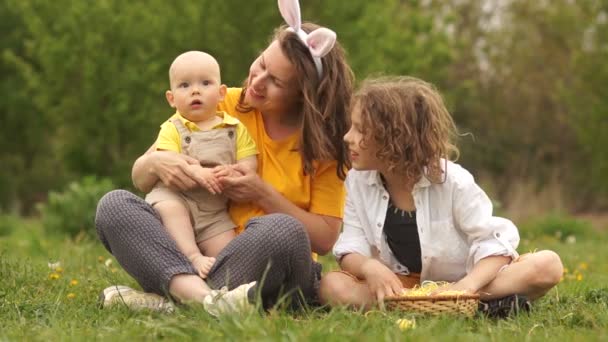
[83, 82]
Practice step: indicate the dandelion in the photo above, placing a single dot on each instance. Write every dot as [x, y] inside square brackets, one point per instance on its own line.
[583, 265]
[54, 276]
[406, 324]
[108, 262]
[71, 295]
[579, 277]
[73, 282]
[571, 239]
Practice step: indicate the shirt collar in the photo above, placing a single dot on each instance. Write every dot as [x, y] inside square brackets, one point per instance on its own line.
[374, 179]
[227, 120]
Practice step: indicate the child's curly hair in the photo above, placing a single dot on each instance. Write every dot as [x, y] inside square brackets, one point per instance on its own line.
[408, 121]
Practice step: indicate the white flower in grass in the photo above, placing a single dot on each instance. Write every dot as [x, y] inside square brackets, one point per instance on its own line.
[54, 265]
[571, 239]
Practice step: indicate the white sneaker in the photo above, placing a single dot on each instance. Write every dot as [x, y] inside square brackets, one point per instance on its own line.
[221, 302]
[134, 300]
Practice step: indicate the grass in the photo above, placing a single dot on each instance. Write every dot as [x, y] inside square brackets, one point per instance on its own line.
[37, 303]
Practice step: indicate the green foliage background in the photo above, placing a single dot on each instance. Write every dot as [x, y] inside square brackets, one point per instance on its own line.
[83, 81]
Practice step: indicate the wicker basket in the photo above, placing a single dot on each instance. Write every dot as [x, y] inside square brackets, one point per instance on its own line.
[465, 304]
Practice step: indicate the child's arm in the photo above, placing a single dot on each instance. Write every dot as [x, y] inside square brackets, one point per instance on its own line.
[354, 251]
[493, 239]
[482, 274]
[380, 280]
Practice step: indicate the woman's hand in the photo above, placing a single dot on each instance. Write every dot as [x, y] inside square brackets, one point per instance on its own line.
[173, 169]
[240, 183]
[382, 282]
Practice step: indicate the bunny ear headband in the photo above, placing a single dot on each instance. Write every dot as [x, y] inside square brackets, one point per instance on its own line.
[319, 42]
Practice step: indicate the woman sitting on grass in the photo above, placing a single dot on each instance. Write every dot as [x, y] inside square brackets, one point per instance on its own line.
[294, 106]
[412, 215]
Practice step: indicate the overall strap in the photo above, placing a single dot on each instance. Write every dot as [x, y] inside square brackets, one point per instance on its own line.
[184, 132]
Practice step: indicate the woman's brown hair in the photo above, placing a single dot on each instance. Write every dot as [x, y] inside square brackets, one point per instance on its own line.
[409, 123]
[324, 101]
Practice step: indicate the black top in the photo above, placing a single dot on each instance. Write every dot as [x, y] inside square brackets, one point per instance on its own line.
[402, 236]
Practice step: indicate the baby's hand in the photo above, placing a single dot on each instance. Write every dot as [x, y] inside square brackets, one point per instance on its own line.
[206, 178]
[202, 265]
[221, 171]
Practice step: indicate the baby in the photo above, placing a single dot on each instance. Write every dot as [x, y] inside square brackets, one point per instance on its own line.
[198, 220]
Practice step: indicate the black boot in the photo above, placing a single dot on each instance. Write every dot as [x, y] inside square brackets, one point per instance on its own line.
[504, 307]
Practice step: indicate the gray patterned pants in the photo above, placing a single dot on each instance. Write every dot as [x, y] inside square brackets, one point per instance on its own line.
[273, 250]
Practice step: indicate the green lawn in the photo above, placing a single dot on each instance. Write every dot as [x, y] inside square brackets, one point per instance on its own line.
[39, 304]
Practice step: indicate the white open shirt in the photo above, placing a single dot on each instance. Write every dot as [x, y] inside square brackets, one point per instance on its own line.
[454, 218]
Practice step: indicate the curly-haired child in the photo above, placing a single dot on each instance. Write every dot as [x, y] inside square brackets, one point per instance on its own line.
[412, 214]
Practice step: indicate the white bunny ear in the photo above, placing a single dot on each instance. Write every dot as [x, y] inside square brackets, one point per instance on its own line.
[290, 11]
[321, 41]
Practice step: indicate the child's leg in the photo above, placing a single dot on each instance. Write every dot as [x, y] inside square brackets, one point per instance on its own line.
[343, 289]
[212, 246]
[532, 275]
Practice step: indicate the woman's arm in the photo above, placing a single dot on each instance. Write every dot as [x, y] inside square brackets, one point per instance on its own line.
[169, 167]
[249, 187]
[322, 230]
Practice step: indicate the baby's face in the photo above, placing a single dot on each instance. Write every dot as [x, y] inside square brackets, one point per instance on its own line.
[195, 86]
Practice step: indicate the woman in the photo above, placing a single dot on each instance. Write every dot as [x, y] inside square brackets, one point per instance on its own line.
[294, 105]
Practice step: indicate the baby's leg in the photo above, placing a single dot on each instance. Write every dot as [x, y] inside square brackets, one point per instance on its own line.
[212, 246]
[209, 249]
[176, 219]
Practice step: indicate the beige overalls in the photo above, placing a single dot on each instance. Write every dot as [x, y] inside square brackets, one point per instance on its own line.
[208, 212]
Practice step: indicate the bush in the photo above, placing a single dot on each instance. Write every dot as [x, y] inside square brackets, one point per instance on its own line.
[72, 211]
[8, 224]
[562, 227]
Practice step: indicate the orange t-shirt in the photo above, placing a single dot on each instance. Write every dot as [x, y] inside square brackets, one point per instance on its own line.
[280, 164]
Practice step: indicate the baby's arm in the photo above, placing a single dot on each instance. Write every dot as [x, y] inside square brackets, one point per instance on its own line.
[176, 219]
[206, 178]
[235, 170]
[246, 154]
[250, 162]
